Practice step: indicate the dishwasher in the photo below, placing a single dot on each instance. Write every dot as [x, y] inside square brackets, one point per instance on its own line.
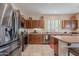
[46, 39]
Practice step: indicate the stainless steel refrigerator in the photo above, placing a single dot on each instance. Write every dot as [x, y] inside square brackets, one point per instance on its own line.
[9, 31]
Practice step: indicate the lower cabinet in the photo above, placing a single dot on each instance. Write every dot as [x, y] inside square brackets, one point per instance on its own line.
[39, 39]
[35, 38]
[54, 43]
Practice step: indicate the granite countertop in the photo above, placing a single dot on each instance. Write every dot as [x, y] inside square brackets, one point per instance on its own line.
[68, 39]
[74, 51]
[55, 34]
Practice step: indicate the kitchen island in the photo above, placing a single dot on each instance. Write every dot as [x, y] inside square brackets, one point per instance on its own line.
[67, 45]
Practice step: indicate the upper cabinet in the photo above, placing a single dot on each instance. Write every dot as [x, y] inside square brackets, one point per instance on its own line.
[71, 24]
[40, 23]
[32, 23]
[73, 17]
[22, 22]
[28, 24]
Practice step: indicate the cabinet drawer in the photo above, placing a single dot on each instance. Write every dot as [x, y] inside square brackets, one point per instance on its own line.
[51, 40]
[35, 39]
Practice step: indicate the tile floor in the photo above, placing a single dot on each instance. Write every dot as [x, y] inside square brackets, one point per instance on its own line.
[43, 50]
[38, 50]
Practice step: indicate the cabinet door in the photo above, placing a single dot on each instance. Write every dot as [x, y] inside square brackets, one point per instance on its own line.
[51, 40]
[73, 17]
[64, 23]
[40, 23]
[35, 39]
[34, 23]
[28, 23]
[75, 23]
[54, 45]
[23, 23]
[70, 24]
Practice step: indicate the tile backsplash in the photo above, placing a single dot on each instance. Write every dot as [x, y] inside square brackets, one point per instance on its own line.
[31, 30]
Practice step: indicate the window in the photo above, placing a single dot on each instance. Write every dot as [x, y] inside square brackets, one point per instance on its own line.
[47, 25]
[53, 25]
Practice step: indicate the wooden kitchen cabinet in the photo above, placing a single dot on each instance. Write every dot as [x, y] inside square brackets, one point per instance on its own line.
[54, 44]
[40, 23]
[64, 23]
[75, 22]
[22, 22]
[28, 24]
[73, 17]
[70, 23]
[51, 40]
[35, 38]
[34, 24]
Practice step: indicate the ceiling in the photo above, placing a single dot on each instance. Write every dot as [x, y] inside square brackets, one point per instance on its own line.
[48, 8]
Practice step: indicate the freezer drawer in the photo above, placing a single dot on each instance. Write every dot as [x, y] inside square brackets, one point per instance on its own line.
[10, 48]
